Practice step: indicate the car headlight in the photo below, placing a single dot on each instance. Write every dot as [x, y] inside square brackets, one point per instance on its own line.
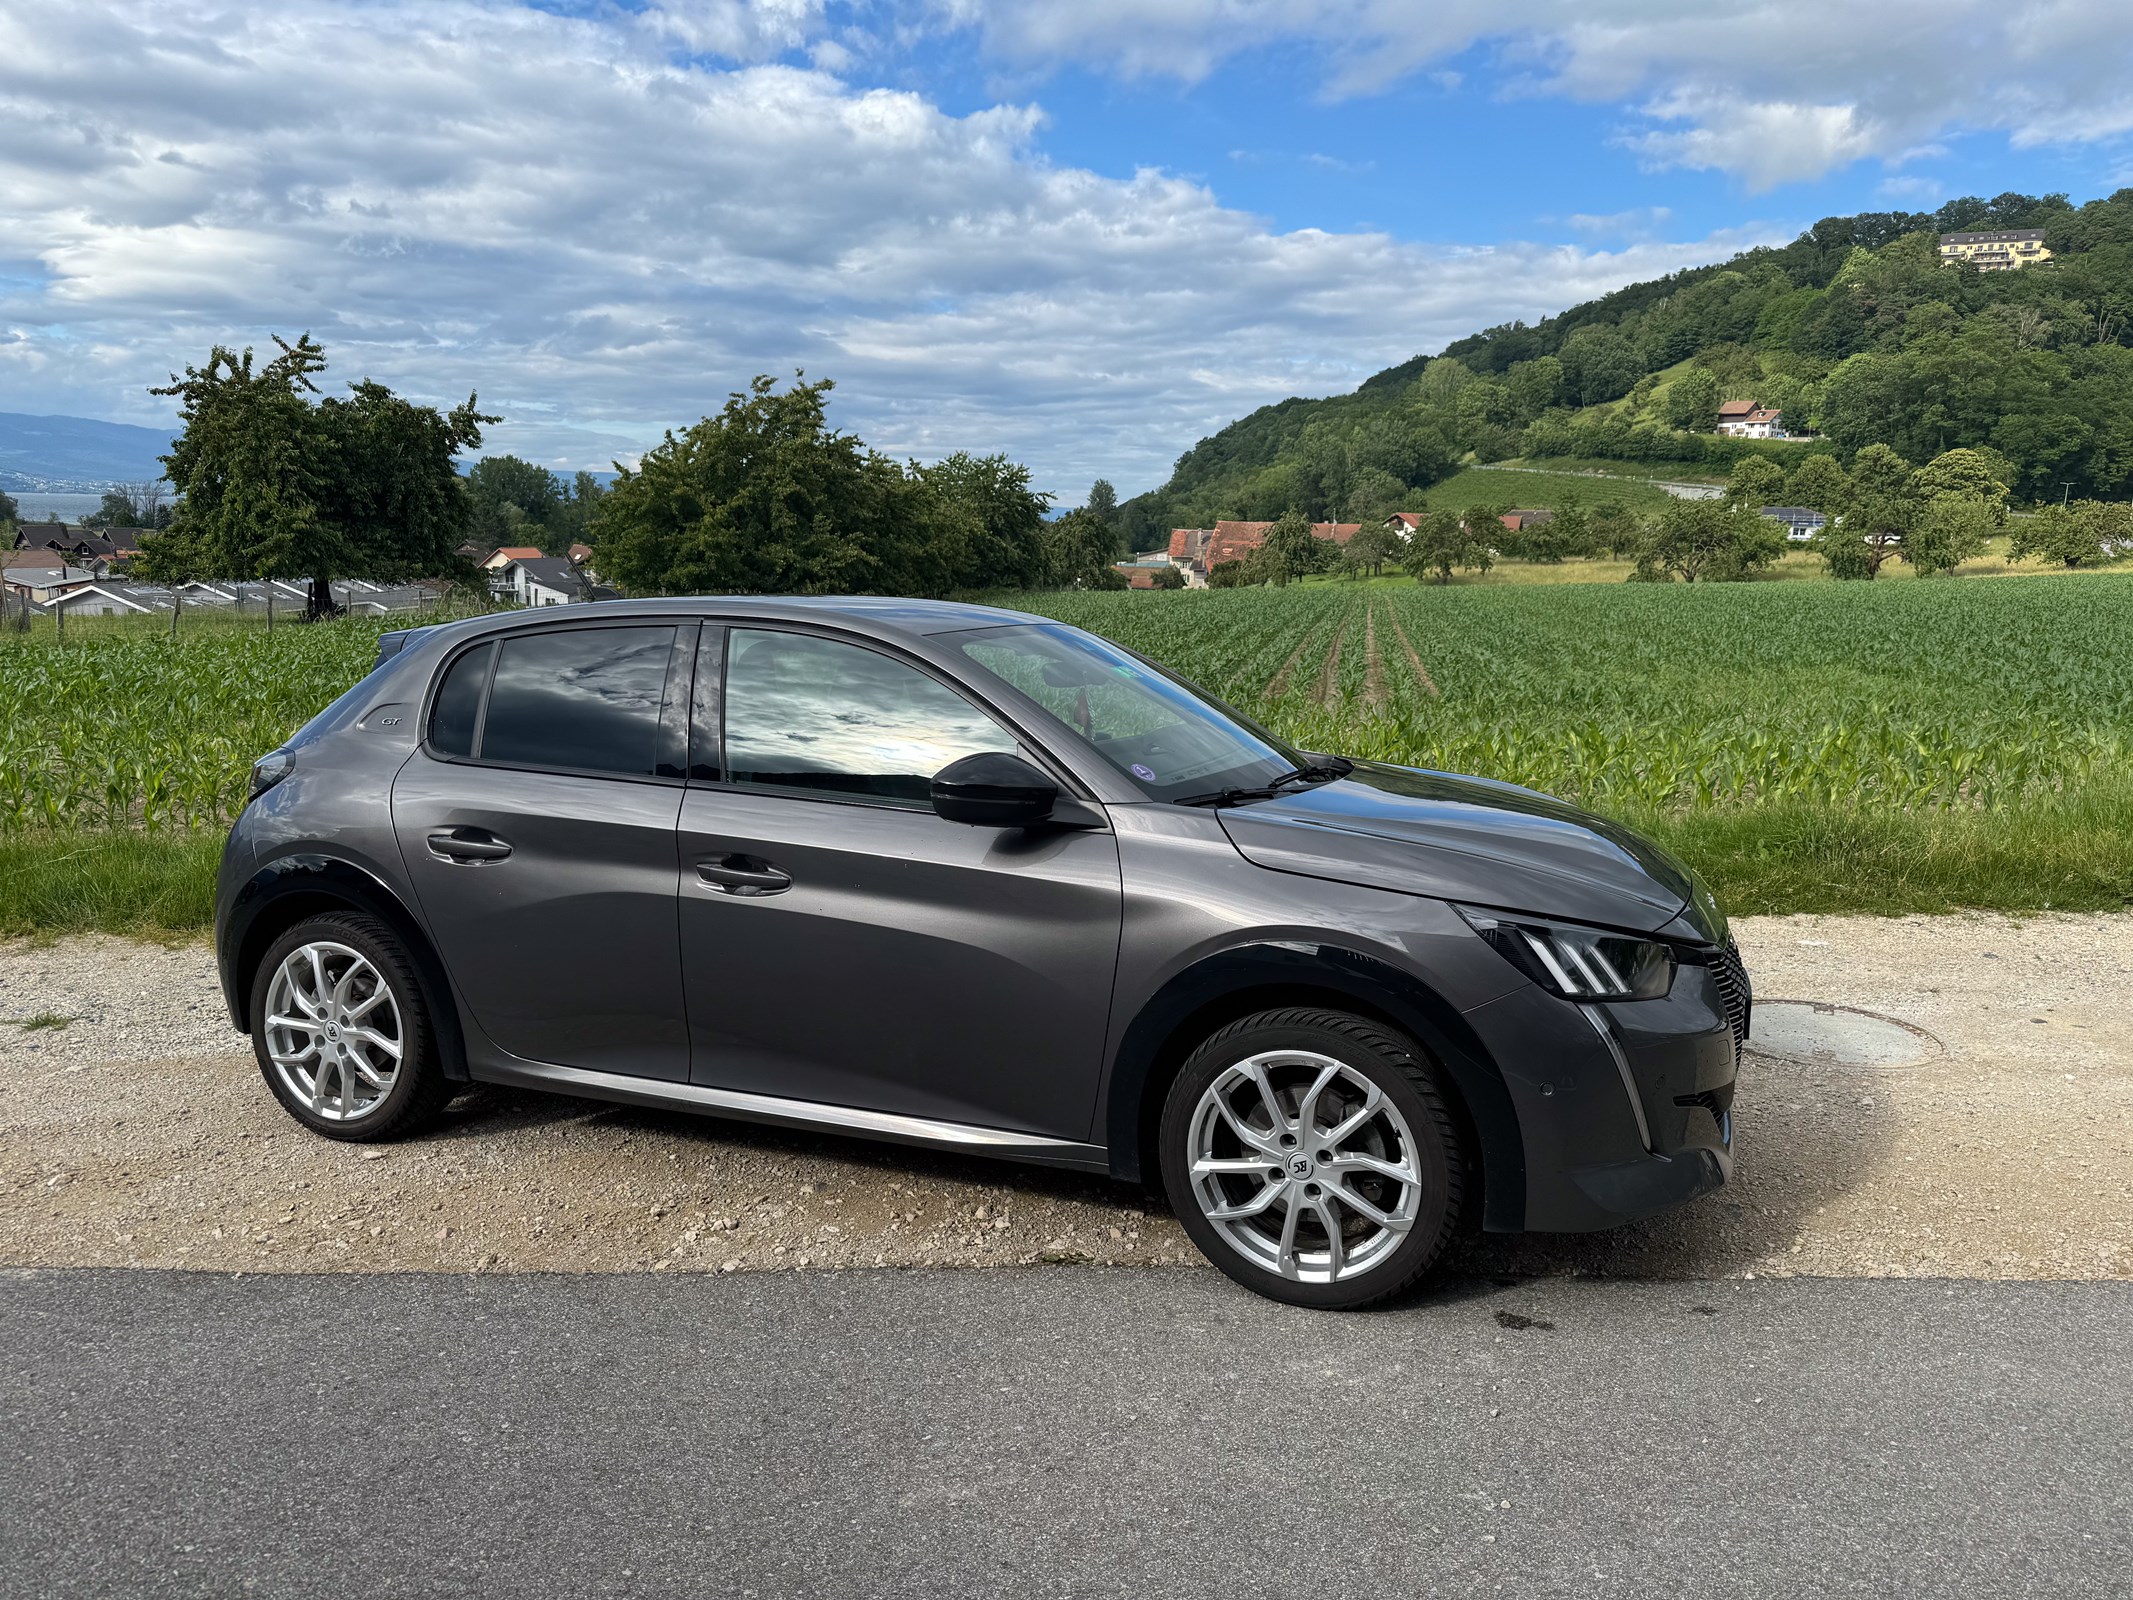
[1576, 962]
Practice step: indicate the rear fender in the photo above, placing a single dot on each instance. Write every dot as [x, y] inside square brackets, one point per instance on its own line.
[290, 888]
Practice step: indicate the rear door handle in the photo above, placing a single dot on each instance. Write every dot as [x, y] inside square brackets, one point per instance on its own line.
[742, 875]
[469, 845]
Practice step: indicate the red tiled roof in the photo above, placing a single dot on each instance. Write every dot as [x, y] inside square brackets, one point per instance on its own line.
[1410, 520]
[1735, 408]
[1233, 541]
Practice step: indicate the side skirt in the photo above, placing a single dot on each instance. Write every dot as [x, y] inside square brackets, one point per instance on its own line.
[966, 1137]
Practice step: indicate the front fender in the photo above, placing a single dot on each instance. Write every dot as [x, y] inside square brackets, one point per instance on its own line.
[1284, 972]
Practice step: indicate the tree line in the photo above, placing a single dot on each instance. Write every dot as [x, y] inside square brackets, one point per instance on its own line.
[768, 498]
[274, 478]
[1932, 517]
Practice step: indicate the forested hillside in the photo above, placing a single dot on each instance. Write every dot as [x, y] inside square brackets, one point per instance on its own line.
[1856, 329]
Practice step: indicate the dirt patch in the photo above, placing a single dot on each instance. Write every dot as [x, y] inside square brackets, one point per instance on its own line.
[1375, 694]
[1328, 687]
[140, 1134]
[1278, 685]
[1414, 656]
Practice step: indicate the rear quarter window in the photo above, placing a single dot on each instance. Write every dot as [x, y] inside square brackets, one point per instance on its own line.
[584, 699]
[455, 713]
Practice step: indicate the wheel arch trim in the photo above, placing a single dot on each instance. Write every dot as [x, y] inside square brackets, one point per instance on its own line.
[1264, 975]
[285, 890]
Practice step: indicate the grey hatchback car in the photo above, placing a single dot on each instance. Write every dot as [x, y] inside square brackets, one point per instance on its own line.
[976, 880]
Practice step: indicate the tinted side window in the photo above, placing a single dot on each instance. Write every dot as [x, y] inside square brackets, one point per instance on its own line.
[814, 714]
[458, 703]
[587, 698]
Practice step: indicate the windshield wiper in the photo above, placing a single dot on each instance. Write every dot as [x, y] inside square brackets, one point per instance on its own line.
[1315, 772]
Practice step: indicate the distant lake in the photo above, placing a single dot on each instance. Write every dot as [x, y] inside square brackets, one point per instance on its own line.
[31, 506]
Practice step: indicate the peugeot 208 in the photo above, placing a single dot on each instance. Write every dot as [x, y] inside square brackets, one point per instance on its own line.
[971, 879]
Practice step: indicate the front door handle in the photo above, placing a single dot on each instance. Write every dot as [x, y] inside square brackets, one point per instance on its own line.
[742, 875]
[469, 845]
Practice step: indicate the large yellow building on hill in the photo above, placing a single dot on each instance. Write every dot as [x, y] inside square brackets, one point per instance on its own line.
[1995, 252]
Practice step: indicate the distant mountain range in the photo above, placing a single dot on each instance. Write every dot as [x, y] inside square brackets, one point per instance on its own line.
[57, 454]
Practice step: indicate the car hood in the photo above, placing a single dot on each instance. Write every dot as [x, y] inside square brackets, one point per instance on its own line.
[1466, 839]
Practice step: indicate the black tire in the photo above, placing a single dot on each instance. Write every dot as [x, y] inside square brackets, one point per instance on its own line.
[1411, 1085]
[419, 1089]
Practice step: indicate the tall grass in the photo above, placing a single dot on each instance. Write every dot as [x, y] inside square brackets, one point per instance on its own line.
[149, 885]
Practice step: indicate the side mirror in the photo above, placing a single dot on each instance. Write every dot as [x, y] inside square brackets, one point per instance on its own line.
[993, 790]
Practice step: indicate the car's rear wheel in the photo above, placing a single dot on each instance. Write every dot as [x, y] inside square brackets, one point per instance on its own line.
[342, 1031]
[1312, 1155]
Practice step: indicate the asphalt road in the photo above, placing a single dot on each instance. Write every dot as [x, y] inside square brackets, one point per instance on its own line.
[1057, 1432]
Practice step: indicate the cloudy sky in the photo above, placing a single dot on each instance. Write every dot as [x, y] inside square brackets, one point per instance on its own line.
[1086, 232]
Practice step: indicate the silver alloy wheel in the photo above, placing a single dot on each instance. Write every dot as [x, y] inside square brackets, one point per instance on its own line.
[334, 1031]
[1304, 1166]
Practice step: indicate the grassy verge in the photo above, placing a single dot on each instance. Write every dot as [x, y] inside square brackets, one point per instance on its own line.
[2072, 853]
[2063, 853]
[149, 885]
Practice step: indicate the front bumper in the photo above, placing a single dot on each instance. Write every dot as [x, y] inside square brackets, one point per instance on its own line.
[1624, 1109]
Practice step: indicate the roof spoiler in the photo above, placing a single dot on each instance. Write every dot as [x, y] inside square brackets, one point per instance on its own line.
[391, 644]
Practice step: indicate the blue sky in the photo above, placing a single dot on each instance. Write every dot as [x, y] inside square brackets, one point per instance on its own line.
[1084, 234]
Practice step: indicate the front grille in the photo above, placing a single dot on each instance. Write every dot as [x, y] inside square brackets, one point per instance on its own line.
[1734, 993]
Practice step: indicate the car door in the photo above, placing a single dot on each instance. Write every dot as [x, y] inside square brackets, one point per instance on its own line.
[537, 823]
[842, 943]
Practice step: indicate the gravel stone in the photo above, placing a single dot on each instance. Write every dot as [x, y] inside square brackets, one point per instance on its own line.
[141, 1135]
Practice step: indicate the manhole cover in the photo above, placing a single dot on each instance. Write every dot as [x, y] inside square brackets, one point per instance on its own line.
[1815, 1034]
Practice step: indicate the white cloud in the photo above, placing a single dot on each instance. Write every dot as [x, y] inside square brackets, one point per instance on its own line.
[605, 237]
[1914, 190]
[1639, 222]
[1771, 90]
[1766, 144]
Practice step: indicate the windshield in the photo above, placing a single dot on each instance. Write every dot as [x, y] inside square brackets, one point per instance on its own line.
[1168, 738]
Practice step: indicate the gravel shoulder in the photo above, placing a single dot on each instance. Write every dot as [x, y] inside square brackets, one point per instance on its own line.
[138, 1134]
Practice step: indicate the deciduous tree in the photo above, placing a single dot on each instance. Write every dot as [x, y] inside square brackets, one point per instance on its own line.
[1290, 551]
[1707, 540]
[1444, 541]
[1079, 552]
[1374, 544]
[276, 486]
[1757, 481]
[1951, 530]
[2085, 533]
[1820, 484]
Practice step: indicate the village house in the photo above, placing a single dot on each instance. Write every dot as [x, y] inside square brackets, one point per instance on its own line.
[1744, 419]
[40, 575]
[1199, 550]
[1799, 522]
[111, 598]
[96, 549]
[539, 580]
[1405, 523]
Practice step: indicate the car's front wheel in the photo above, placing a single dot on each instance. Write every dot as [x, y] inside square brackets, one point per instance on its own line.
[342, 1030]
[1313, 1157]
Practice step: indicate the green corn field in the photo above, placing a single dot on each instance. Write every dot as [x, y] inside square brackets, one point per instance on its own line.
[1667, 699]
[124, 726]
[1972, 694]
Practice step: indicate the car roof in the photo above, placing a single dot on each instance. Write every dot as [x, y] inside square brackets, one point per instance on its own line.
[875, 614]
